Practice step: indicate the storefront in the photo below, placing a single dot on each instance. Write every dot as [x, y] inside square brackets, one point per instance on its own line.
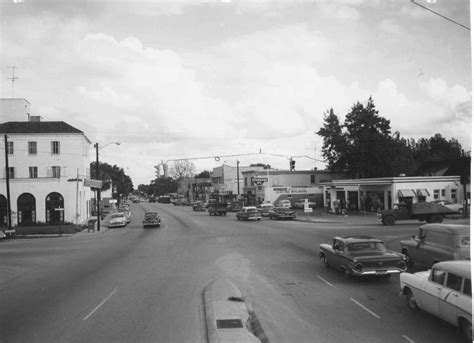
[376, 194]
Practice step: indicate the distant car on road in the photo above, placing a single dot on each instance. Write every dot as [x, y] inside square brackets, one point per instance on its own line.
[300, 204]
[198, 207]
[127, 213]
[361, 255]
[118, 220]
[217, 209]
[283, 203]
[248, 213]
[265, 208]
[459, 208]
[151, 219]
[444, 291]
[281, 213]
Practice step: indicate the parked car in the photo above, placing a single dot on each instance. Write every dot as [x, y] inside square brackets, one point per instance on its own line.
[283, 203]
[248, 213]
[117, 220]
[444, 291]
[459, 208]
[361, 255]
[151, 219]
[265, 208]
[127, 213]
[438, 242]
[281, 213]
[300, 204]
[234, 207]
[198, 207]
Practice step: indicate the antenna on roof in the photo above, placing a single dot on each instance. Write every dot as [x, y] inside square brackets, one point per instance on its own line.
[13, 78]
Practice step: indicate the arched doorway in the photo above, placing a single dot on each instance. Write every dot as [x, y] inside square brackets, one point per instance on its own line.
[54, 201]
[26, 209]
[3, 211]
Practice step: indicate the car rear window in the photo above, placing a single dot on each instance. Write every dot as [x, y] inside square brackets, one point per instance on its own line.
[465, 241]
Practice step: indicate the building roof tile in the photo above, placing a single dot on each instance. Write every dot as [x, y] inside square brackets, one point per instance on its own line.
[37, 127]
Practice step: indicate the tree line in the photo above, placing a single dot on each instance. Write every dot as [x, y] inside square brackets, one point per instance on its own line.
[363, 146]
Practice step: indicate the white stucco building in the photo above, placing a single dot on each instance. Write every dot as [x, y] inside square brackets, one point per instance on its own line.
[48, 162]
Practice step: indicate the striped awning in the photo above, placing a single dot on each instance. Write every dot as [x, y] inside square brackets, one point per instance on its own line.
[406, 193]
[423, 192]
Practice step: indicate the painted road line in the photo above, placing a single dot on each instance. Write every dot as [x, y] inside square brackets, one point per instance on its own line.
[102, 303]
[365, 308]
[325, 281]
[408, 339]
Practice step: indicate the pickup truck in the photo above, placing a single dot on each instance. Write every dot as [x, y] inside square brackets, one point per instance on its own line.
[423, 211]
[217, 209]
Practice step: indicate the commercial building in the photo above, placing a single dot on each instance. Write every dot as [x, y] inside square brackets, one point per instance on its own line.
[48, 162]
[381, 193]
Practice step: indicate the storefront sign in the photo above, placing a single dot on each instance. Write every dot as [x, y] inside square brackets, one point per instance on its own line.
[258, 180]
[93, 183]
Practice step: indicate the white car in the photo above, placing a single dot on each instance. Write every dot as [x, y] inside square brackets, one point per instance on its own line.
[444, 291]
[459, 208]
[118, 219]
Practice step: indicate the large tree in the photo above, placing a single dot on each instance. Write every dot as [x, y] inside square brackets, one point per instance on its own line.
[108, 173]
[182, 169]
[334, 142]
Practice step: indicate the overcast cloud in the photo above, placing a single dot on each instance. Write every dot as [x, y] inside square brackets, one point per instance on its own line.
[189, 79]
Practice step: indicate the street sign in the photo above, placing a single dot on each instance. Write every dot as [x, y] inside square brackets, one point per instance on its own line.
[258, 180]
[92, 183]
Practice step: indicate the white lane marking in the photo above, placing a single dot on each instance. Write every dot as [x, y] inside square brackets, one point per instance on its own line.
[408, 339]
[102, 303]
[327, 282]
[365, 308]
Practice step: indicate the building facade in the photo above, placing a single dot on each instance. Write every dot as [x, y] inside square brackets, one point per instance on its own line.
[47, 165]
[381, 193]
[273, 185]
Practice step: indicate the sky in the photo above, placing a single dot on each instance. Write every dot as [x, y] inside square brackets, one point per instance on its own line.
[220, 81]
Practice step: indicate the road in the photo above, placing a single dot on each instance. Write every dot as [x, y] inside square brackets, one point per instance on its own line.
[145, 285]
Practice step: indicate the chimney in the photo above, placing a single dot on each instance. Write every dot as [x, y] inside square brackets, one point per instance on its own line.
[34, 118]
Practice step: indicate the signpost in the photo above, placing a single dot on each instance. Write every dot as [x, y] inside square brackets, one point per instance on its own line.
[59, 209]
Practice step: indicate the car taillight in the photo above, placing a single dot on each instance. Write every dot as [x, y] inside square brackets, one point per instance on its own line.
[401, 265]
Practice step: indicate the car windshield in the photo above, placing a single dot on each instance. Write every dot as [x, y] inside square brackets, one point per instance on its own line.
[366, 246]
[150, 215]
[117, 215]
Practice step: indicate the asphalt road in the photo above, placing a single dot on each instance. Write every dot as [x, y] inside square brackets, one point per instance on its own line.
[145, 285]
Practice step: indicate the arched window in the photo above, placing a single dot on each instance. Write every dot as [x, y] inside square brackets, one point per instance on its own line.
[54, 201]
[3, 211]
[26, 204]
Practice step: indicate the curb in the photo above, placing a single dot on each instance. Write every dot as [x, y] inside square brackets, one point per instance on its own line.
[228, 317]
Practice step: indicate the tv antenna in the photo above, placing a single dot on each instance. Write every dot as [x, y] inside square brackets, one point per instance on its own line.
[13, 78]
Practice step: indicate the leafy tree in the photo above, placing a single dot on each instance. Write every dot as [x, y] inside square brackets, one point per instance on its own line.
[182, 169]
[335, 146]
[203, 175]
[161, 186]
[113, 175]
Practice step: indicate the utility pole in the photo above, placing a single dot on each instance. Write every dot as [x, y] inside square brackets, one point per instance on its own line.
[98, 189]
[13, 78]
[238, 181]
[77, 195]
[9, 211]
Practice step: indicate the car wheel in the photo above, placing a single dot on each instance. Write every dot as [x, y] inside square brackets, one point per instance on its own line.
[387, 276]
[325, 261]
[437, 218]
[389, 220]
[411, 302]
[466, 328]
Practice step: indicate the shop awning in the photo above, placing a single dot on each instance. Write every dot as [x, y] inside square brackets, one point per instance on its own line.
[406, 193]
[423, 192]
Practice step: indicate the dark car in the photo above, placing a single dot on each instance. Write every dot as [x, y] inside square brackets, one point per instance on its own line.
[281, 213]
[362, 255]
[218, 209]
[198, 206]
[151, 219]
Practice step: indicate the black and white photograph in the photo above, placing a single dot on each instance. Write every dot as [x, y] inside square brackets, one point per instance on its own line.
[251, 171]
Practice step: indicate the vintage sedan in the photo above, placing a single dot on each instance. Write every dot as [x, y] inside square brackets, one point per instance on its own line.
[248, 213]
[281, 213]
[444, 291]
[362, 255]
[118, 219]
[151, 219]
[265, 208]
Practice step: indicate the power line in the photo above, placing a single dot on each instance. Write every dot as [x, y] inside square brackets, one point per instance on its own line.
[442, 16]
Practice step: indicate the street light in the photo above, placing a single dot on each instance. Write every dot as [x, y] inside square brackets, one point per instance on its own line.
[96, 145]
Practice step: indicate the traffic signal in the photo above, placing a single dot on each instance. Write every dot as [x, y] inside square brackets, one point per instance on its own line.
[157, 171]
[292, 164]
